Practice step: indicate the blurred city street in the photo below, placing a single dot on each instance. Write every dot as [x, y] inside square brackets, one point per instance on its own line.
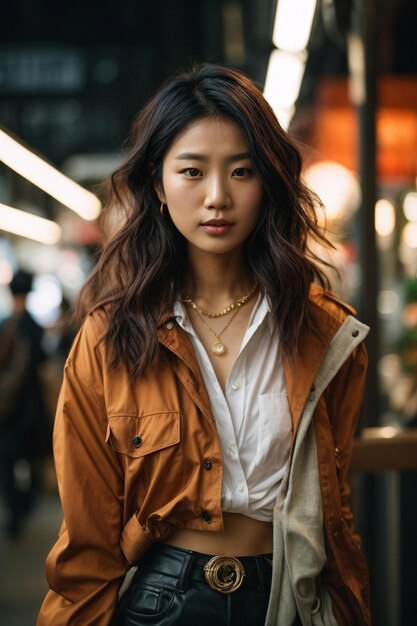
[22, 564]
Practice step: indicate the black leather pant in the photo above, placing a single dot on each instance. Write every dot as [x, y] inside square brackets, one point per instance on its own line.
[170, 589]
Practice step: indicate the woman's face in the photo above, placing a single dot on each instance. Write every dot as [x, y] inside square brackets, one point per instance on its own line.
[209, 186]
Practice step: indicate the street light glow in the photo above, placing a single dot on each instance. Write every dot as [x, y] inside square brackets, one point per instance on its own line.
[47, 178]
[28, 225]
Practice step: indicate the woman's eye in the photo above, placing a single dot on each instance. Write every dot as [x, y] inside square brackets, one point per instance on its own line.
[192, 171]
[241, 171]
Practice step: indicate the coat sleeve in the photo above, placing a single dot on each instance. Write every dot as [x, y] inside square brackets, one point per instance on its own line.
[344, 400]
[86, 565]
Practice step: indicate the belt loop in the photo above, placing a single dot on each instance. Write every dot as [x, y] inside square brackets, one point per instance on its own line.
[260, 566]
[185, 572]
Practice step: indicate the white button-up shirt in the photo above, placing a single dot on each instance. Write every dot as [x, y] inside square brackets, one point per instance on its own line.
[252, 416]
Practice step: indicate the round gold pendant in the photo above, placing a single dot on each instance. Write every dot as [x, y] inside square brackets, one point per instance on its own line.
[218, 348]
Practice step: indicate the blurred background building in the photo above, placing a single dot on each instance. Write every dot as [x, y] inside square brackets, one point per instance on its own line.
[342, 77]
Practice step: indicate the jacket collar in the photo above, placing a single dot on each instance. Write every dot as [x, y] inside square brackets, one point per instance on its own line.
[186, 367]
[300, 372]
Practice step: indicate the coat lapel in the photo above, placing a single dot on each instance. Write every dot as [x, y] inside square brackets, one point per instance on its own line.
[300, 372]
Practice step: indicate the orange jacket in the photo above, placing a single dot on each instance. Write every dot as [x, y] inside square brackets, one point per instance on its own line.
[130, 464]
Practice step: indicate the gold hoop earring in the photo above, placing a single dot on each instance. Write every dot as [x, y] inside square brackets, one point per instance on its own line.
[161, 209]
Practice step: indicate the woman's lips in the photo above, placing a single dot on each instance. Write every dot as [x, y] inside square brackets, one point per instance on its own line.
[217, 227]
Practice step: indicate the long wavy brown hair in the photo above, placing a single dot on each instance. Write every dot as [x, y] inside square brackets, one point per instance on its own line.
[143, 264]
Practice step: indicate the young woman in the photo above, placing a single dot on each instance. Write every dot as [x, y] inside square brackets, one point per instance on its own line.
[205, 422]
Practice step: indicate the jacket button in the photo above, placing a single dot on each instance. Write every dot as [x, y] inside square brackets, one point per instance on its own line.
[206, 516]
[170, 325]
[137, 441]
[355, 333]
[207, 465]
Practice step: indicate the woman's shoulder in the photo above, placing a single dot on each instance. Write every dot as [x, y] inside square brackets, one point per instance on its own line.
[97, 320]
[330, 302]
[92, 330]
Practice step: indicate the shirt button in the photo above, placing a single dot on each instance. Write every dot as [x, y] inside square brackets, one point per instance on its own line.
[232, 451]
[207, 465]
[170, 325]
[235, 386]
[137, 441]
[206, 516]
[240, 488]
[355, 333]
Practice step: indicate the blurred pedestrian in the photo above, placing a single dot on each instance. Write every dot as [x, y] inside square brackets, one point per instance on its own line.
[205, 422]
[24, 429]
[66, 328]
[57, 342]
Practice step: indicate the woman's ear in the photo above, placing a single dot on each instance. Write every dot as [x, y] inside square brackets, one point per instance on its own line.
[157, 184]
[159, 192]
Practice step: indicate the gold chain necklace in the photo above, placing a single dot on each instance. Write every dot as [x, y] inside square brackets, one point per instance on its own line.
[232, 307]
[218, 347]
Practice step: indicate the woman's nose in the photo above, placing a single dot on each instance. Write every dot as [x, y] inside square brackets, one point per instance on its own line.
[217, 193]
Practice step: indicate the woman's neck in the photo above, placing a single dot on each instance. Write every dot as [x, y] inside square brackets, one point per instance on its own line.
[215, 280]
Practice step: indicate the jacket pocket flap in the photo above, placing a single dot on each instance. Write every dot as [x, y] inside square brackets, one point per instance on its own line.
[137, 436]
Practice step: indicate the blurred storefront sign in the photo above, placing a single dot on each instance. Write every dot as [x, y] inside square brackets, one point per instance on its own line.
[42, 70]
[335, 131]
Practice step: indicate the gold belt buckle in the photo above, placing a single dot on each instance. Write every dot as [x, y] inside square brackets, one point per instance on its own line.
[224, 573]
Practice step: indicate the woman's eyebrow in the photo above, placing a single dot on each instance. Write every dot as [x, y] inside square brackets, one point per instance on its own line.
[194, 156]
[191, 156]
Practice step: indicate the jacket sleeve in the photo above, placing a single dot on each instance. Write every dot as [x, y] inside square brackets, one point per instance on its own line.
[86, 566]
[344, 399]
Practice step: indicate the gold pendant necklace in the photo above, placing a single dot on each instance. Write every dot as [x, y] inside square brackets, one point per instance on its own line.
[232, 307]
[218, 348]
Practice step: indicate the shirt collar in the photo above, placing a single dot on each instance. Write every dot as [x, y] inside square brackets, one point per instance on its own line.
[181, 316]
[262, 310]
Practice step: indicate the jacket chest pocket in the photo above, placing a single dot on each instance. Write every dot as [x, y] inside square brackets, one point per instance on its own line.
[136, 436]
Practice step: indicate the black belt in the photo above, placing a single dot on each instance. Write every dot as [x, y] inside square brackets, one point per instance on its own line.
[223, 573]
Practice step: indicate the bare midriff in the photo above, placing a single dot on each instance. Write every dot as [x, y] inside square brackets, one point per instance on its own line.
[242, 536]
